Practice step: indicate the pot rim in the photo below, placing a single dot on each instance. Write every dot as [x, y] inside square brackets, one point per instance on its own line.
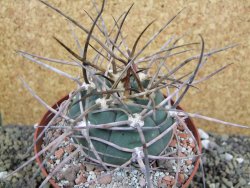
[48, 116]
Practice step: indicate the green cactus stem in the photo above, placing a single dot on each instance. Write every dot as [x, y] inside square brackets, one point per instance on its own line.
[128, 139]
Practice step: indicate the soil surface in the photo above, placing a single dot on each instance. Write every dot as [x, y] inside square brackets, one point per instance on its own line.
[226, 160]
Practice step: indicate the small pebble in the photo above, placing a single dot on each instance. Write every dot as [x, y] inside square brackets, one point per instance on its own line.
[227, 182]
[91, 176]
[105, 179]
[59, 153]
[228, 156]
[240, 160]
[205, 144]
[142, 182]
[203, 134]
[3, 174]
[89, 167]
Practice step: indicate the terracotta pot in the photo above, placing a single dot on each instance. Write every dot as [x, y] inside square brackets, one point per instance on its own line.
[48, 116]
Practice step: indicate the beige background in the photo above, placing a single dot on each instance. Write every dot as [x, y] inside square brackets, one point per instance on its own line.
[28, 25]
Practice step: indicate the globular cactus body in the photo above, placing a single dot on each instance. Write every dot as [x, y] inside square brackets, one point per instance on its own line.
[128, 139]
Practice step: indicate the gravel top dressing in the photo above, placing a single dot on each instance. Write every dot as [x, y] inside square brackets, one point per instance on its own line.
[226, 160]
[81, 172]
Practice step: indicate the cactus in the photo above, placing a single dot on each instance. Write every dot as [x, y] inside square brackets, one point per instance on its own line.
[125, 108]
[118, 114]
[129, 139]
